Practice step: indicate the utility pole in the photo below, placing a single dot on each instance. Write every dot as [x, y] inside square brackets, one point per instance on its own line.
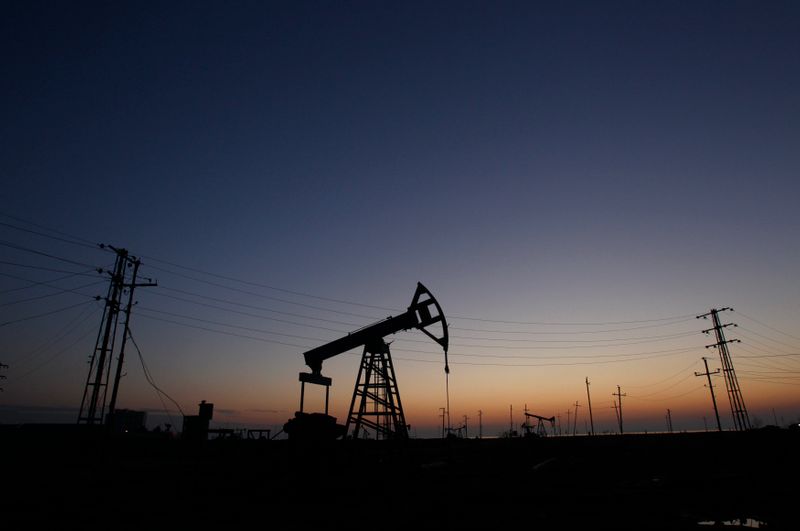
[711, 388]
[480, 424]
[443, 417]
[93, 403]
[669, 420]
[511, 420]
[569, 416]
[466, 431]
[575, 420]
[619, 394]
[741, 420]
[135, 262]
[559, 423]
[589, 398]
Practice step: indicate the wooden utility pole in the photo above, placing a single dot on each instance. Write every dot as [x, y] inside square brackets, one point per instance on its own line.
[619, 394]
[575, 420]
[480, 424]
[589, 398]
[669, 420]
[443, 419]
[711, 388]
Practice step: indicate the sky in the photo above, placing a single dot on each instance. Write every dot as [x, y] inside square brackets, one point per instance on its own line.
[573, 181]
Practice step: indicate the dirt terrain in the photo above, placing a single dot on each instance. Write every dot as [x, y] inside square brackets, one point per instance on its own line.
[67, 478]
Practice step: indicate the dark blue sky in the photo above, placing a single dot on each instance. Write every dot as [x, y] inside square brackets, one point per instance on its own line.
[576, 161]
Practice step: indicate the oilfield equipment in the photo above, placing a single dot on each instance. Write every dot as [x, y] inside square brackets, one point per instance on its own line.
[540, 430]
[375, 407]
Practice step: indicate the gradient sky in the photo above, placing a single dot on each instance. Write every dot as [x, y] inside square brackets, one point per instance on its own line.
[623, 164]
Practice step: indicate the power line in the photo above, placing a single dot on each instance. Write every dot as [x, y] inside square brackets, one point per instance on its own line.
[668, 378]
[223, 332]
[267, 286]
[66, 330]
[238, 327]
[56, 355]
[672, 386]
[559, 357]
[45, 314]
[261, 295]
[149, 377]
[73, 237]
[351, 324]
[207, 305]
[328, 299]
[316, 339]
[33, 283]
[91, 246]
[619, 341]
[694, 390]
[52, 270]
[61, 291]
[48, 255]
[553, 323]
[767, 337]
[767, 326]
[571, 332]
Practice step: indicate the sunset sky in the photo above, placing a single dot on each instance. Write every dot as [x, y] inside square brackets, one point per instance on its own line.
[573, 181]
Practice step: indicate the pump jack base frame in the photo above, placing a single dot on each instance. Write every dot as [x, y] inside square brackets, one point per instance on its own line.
[313, 427]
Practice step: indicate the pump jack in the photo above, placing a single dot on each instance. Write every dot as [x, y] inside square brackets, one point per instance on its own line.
[376, 402]
[540, 430]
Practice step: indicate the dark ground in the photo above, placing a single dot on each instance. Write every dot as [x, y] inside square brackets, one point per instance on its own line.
[74, 479]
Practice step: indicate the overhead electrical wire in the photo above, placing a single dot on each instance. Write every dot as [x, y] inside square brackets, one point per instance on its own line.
[357, 325]
[63, 332]
[668, 378]
[52, 270]
[328, 299]
[570, 364]
[61, 291]
[242, 305]
[767, 337]
[187, 325]
[47, 255]
[261, 295]
[767, 326]
[238, 327]
[30, 231]
[504, 347]
[32, 283]
[667, 321]
[45, 314]
[149, 377]
[54, 356]
[261, 285]
[571, 332]
[694, 390]
[77, 239]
